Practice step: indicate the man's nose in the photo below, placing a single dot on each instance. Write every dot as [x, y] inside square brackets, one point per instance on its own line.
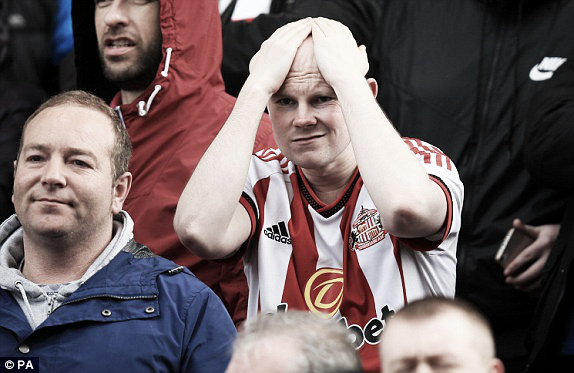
[423, 368]
[305, 116]
[116, 13]
[53, 174]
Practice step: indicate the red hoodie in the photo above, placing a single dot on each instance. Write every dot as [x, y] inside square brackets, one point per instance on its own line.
[171, 125]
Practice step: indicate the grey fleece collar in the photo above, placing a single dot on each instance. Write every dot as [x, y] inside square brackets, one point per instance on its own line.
[37, 301]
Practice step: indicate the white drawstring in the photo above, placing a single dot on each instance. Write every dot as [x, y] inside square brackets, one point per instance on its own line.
[167, 60]
[143, 107]
[20, 287]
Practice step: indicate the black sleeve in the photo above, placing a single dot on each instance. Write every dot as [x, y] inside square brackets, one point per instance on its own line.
[549, 137]
[241, 39]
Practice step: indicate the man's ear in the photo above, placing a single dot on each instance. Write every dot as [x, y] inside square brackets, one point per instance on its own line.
[121, 190]
[14, 176]
[496, 366]
[374, 86]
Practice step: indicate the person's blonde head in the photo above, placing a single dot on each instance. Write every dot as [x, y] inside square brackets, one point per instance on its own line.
[293, 342]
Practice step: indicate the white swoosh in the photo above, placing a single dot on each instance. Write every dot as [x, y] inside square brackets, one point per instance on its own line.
[538, 75]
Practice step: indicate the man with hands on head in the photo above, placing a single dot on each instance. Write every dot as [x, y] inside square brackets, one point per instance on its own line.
[346, 219]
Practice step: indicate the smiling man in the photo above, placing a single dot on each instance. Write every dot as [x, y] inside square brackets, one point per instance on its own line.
[346, 219]
[77, 292]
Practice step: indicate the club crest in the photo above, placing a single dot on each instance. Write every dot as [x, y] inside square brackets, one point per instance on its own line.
[366, 230]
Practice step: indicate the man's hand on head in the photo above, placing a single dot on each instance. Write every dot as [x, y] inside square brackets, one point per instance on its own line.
[271, 64]
[336, 51]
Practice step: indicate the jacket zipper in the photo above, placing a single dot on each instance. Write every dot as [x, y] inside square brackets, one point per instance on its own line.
[121, 297]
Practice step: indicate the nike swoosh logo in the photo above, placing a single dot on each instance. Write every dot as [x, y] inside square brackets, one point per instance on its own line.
[537, 75]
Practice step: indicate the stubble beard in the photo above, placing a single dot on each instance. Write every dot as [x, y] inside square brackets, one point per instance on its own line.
[138, 75]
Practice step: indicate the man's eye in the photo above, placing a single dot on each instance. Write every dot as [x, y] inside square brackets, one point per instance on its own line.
[34, 158]
[142, 2]
[284, 101]
[324, 99]
[102, 3]
[445, 366]
[80, 163]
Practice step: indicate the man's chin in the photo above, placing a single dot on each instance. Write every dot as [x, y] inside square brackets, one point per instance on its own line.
[51, 229]
[48, 233]
[127, 81]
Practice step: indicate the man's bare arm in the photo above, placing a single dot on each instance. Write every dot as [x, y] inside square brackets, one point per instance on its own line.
[410, 204]
[209, 219]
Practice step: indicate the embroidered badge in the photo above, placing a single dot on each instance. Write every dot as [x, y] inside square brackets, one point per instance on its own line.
[366, 230]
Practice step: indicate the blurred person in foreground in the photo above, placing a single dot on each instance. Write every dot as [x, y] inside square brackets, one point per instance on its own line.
[438, 335]
[293, 342]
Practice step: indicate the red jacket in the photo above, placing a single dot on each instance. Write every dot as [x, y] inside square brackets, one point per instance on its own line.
[171, 125]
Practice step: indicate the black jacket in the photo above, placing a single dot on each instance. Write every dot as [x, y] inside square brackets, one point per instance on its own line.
[550, 138]
[241, 39]
[457, 73]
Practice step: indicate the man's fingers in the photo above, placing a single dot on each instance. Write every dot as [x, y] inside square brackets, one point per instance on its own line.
[299, 30]
[284, 41]
[530, 274]
[528, 255]
[336, 49]
[528, 229]
[531, 288]
[364, 59]
[329, 26]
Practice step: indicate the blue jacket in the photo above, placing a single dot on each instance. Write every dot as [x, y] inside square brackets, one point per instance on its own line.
[140, 313]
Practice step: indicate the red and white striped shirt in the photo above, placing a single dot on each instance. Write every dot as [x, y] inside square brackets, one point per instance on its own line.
[337, 260]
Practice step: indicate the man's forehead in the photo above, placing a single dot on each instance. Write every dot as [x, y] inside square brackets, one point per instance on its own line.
[304, 58]
[70, 111]
[304, 82]
[304, 71]
[79, 119]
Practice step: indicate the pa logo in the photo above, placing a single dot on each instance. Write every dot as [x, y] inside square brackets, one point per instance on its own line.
[9, 364]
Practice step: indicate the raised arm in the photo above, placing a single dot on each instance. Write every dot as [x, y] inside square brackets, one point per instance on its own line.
[209, 219]
[409, 202]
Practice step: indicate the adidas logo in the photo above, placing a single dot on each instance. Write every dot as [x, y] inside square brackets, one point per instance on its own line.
[545, 69]
[278, 232]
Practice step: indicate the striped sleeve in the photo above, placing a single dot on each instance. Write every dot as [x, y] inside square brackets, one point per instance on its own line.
[442, 171]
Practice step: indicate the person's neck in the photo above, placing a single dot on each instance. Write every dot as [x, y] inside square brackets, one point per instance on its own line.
[328, 184]
[129, 96]
[58, 261]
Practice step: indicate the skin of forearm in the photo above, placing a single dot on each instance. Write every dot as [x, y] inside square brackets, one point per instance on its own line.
[209, 201]
[410, 204]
